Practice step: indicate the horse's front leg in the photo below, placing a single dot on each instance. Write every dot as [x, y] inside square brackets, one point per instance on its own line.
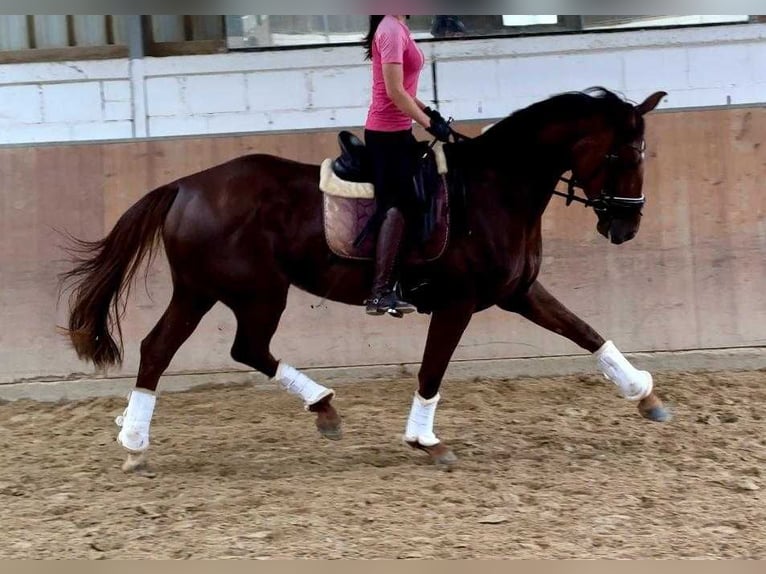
[545, 310]
[444, 333]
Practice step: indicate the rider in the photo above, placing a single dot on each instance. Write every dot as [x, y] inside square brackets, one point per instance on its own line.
[396, 65]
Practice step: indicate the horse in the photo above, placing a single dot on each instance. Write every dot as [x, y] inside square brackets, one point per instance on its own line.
[244, 231]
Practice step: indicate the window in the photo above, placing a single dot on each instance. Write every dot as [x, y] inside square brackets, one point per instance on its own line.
[173, 35]
[72, 37]
[262, 31]
[45, 38]
[618, 22]
[25, 38]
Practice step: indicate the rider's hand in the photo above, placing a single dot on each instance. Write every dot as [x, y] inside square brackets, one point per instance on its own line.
[439, 128]
[432, 114]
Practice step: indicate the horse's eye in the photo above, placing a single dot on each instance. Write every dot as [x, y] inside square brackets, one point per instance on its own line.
[635, 157]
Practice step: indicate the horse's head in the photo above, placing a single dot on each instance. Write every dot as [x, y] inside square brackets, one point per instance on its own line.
[608, 164]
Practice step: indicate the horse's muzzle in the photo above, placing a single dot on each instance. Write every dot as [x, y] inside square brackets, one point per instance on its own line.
[618, 231]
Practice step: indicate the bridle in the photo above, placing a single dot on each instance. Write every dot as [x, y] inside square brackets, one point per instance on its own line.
[605, 203]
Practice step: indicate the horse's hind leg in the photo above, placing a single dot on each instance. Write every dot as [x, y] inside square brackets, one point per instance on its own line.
[183, 314]
[545, 310]
[257, 320]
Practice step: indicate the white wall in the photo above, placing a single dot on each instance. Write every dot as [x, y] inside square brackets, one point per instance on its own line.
[65, 101]
[328, 87]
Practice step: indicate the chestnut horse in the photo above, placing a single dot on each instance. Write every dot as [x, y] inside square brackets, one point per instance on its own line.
[244, 231]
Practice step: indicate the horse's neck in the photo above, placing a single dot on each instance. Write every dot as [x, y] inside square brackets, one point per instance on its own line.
[522, 181]
[531, 162]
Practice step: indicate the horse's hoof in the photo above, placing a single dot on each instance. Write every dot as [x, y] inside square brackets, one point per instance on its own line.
[137, 464]
[651, 408]
[441, 455]
[328, 421]
[446, 461]
[331, 433]
[329, 425]
[657, 414]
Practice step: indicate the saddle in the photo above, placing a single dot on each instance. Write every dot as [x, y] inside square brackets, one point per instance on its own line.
[350, 205]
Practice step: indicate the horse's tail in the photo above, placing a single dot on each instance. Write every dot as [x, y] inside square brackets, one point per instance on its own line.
[103, 273]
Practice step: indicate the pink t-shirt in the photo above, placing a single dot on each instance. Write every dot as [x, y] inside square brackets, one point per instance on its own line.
[393, 43]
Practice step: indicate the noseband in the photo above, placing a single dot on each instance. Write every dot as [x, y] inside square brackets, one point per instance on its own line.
[605, 202]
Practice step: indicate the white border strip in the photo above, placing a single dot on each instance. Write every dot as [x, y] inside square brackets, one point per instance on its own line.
[706, 360]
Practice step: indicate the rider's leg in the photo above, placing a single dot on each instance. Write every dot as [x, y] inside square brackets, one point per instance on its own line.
[391, 154]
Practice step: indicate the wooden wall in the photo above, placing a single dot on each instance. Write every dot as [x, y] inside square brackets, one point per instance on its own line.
[694, 278]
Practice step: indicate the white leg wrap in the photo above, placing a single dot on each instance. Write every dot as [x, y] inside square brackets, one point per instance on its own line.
[296, 383]
[634, 385]
[135, 421]
[420, 424]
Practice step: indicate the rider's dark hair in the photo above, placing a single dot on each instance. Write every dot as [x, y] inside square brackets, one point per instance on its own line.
[367, 42]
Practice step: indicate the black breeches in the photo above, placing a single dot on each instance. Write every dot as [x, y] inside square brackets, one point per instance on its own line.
[393, 165]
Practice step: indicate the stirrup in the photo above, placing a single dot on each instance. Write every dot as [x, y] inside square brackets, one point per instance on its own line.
[389, 303]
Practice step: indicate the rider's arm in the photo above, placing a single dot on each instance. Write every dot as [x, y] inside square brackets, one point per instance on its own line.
[394, 79]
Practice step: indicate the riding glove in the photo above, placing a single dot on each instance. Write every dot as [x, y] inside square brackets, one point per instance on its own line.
[439, 128]
[433, 114]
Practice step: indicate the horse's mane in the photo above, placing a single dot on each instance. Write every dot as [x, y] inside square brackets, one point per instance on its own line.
[523, 123]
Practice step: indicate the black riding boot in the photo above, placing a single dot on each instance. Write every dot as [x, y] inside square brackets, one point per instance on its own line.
[383, 298]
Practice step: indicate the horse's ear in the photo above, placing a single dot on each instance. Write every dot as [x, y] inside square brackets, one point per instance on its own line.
[650, 103]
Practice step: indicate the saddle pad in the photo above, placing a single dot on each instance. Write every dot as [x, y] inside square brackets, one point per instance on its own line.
[345, 218]
[332, 185]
